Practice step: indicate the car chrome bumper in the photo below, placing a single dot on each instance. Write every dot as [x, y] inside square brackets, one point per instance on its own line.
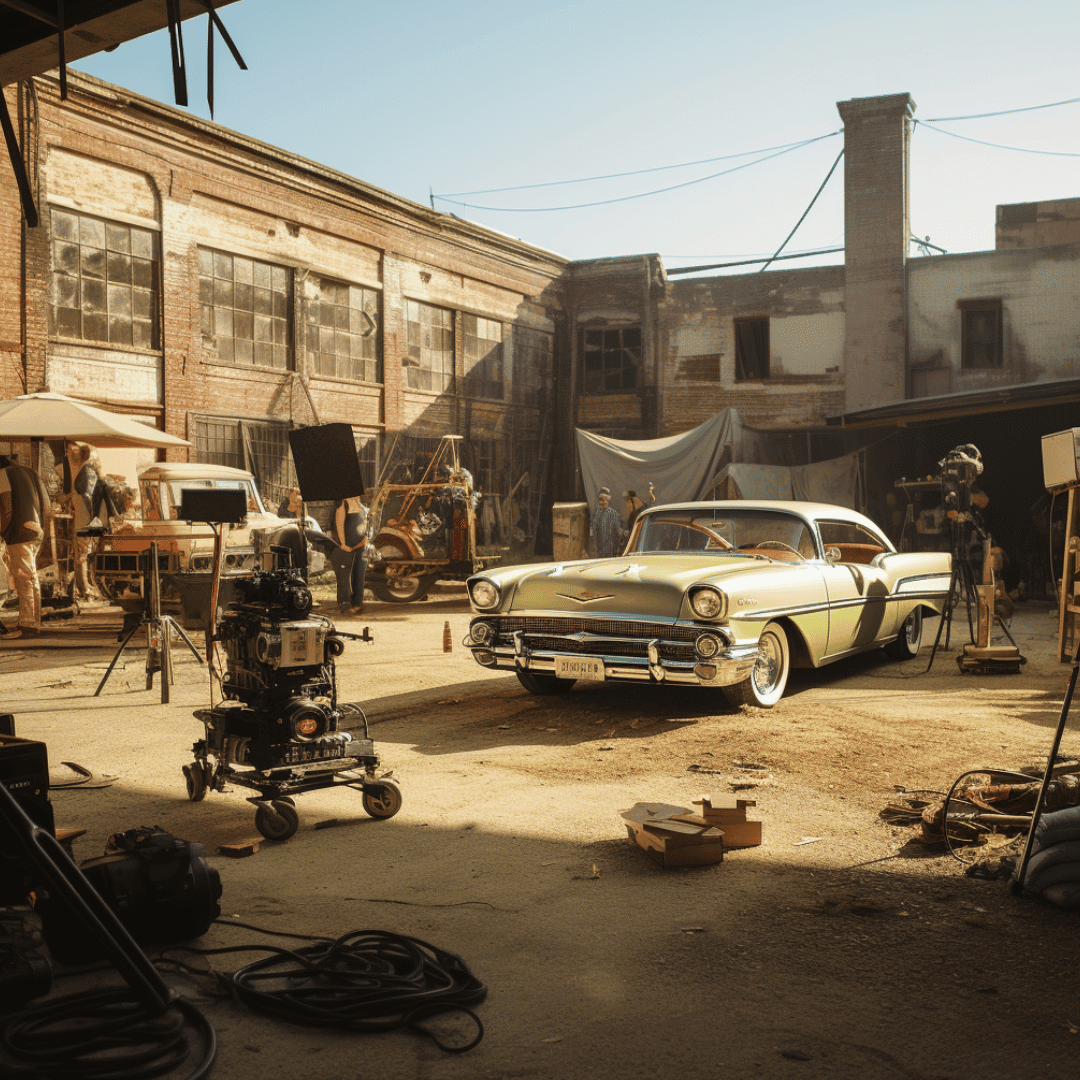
[730, 667]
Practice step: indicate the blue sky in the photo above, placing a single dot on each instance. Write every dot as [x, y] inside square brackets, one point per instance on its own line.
[418, 96]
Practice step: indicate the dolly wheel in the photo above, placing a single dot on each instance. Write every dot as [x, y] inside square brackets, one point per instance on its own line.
[195, 778]
[382, 800]
[277, 820]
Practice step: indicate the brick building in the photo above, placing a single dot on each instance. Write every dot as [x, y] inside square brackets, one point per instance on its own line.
[226, 290]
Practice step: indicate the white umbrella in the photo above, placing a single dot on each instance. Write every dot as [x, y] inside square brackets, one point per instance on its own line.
[51, 416]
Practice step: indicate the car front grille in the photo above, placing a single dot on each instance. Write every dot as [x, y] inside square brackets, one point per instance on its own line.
[621, 637]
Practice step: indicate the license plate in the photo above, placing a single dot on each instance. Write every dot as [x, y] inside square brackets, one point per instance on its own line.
[579, 667]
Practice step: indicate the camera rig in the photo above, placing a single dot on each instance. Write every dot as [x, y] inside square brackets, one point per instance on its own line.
[279, 728]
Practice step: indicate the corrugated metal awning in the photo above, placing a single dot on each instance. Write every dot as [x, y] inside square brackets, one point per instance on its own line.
[962, 403]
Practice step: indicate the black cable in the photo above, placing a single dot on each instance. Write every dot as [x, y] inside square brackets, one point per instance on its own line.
[365, 981]
[103, 1035]
[828, 177]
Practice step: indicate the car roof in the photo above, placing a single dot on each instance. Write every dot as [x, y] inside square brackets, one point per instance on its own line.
[811, 511]
[192, 470]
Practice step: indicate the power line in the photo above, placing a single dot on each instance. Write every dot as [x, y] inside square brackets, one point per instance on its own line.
[1002, 112]
[828, 177]
[634, 172]
[747, 262]
[640, 194]
[997, 146]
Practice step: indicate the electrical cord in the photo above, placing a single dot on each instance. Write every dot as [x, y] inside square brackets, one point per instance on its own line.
[365, 981]
[104, 1035]
[952, 796]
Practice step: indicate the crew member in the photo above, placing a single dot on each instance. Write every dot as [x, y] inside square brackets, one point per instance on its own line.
[606, 527]
[24, 509]
[350, 532]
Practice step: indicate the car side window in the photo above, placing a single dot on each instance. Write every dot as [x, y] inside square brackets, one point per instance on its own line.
[855, 543]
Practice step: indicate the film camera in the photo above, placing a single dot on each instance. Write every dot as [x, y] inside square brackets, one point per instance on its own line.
[943, 510]
[280, 727]
[280, 706]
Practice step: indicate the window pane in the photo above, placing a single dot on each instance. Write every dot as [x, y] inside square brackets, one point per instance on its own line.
[118, 238]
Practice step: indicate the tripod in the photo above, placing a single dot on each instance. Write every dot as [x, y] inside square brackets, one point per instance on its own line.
[963, 577]
[159, 631]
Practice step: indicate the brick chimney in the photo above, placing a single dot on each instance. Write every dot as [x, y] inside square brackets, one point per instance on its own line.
[877, 134]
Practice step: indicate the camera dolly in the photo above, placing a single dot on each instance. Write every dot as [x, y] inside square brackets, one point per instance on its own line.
[279, 728]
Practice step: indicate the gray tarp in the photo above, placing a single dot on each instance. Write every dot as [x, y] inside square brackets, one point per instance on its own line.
[689, 466]
[836, 481]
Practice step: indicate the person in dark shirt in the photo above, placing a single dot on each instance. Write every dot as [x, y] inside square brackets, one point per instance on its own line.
[24, 509]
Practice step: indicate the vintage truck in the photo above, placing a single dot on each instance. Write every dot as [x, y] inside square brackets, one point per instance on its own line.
[424, 532]
[185, 550]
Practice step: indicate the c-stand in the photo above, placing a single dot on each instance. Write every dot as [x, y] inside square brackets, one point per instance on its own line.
[159, 631]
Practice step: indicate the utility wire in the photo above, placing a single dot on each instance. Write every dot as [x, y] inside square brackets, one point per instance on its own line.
[1003, 112]
[746, 262]
[997, 146]
[828, 177]
[634, 172]
[640, 194]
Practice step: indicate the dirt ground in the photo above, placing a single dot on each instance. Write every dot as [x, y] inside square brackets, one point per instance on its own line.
[838, 949]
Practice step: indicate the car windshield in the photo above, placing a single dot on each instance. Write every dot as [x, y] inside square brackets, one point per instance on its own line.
[161, 499]
[716, 531]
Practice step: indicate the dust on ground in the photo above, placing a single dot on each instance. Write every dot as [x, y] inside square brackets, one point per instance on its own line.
[837, 949]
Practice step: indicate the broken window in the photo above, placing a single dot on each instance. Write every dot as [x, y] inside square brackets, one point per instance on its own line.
[980, 334]
[429, 354]
[105, 281]
[532, 366]
[343, 331]
[244, 305]
[610, 359]
[751, 349]
[483, 357]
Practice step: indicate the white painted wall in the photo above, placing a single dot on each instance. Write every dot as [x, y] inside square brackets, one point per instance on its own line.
[1039, 290]
[806, 344]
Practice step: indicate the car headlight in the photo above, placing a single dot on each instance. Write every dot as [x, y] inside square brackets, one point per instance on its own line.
[484, 594]
[707, 646]
[708, 603]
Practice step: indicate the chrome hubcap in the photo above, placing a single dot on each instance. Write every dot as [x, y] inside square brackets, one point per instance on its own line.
[767, 668]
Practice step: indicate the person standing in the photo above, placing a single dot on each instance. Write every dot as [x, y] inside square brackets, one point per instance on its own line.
[24, 509]
[291, 505]
[350, 533]
[81, 480]
[606, 527]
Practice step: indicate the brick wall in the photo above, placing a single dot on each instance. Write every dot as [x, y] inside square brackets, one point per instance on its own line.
[876, 235]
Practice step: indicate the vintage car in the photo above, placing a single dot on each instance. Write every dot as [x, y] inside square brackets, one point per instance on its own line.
[726, 594]
[185, 550]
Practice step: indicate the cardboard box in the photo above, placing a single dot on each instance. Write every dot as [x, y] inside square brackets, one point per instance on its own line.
[669, 842]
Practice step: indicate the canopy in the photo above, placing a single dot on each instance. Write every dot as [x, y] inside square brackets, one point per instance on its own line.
[52, 416]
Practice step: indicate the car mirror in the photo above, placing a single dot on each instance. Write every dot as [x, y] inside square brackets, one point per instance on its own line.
[832, 554]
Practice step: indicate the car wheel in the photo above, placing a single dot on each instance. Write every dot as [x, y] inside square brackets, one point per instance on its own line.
[536, 683]
[401, 590]
[767, 681]
[907, 645]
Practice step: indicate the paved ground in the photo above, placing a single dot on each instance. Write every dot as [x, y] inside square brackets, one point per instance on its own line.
[856, 955]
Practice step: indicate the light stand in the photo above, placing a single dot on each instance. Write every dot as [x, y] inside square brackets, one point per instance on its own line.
[159, 631]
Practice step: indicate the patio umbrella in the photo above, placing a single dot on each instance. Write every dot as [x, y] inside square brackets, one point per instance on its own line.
[50, 416]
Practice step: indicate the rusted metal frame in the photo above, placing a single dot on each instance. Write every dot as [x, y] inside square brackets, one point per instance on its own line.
[18, 165]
